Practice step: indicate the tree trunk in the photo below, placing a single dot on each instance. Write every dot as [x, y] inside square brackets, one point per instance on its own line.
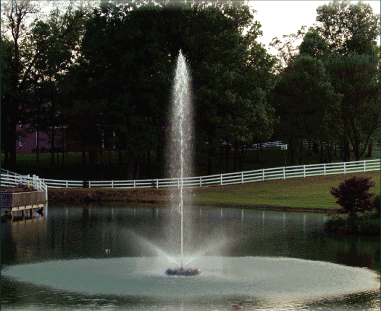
[227, 156]
[102, 166]
[329, 149]
[52, 148]
[120, 160]
[315, 147]
[84, 162]
[12, 150]
[370, 147]
[6, 155]
[63, 146]
[137, 167]
[346, 151]
[257, 160]
[130, 170]
[38, 151]
[301, 152]
[243, 154]
[291, 153]
[93, 157]
[235, 155]
[210, 161]
[149, 164]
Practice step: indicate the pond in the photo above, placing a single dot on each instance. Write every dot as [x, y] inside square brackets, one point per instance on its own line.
[115, 257]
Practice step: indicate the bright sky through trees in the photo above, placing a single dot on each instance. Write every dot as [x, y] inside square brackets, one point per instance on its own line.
[280, 18]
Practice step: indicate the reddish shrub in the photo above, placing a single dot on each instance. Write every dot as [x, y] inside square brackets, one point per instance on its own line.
[353, 195]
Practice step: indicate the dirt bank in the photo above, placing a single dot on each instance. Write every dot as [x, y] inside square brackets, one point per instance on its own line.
[86, 195]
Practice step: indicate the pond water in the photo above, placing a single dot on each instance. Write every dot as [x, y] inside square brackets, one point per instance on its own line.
[114, 258]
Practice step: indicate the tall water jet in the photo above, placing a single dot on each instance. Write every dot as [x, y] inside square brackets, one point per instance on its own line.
[180, 145]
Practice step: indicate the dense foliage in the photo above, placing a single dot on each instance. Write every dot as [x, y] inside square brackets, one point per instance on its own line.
[105, 74]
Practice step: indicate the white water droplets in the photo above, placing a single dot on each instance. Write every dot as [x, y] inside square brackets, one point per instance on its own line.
[181, 136]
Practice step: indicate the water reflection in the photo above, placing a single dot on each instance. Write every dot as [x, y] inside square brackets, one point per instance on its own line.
[88, 231]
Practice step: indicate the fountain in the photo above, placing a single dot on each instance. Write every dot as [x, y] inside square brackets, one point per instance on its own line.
[135, 278]
[180, 150]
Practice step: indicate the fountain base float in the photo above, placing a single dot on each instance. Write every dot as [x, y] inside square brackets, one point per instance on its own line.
[183, 272]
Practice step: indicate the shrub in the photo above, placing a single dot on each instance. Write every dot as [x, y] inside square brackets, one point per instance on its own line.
[376, 203]
[364, 223]
[370, 225]
[353, 195]
[335, 224]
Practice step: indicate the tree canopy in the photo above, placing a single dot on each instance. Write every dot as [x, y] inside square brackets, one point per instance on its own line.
[106, 75]
[128, 58]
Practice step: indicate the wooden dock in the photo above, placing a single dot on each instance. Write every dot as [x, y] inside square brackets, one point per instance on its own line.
[26, 202]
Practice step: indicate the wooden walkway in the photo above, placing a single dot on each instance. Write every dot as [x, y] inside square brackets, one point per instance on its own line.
[26, 202]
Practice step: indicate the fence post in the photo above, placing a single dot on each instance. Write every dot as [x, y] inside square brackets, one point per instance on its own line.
[89, 183]
[284, 172]
[67, 184]
[157, 183]
[242, 177]
[263, 174]
[304, 170]
[324, 169]
[134, 184]
[200, 181]
[364, 166]
[344, 167]
[221, 180]
[112, 184]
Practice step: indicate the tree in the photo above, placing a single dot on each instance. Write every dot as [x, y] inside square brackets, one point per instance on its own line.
[56, 41]
[14, 14]
[353, 195]
[351, 31]
[287, 50]
[27, 61]
[306, 102]
[314, 45]
[6, 92]
[344, 23]
[232, 77]
[356, 76]
[129, 53]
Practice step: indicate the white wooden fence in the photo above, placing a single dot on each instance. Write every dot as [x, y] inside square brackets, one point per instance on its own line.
[212, 180]
[12, 179]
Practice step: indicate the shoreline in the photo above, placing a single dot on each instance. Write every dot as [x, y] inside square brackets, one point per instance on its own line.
[152, 196]
[157, 197]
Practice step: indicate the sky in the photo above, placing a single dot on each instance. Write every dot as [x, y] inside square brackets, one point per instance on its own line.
[280, 18]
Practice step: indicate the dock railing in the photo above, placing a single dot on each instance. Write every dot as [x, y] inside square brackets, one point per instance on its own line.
[283, 172]
[12, 179]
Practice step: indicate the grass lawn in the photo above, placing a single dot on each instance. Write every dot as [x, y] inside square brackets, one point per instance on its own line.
[297, 193]
[73, 170]
[309, 192]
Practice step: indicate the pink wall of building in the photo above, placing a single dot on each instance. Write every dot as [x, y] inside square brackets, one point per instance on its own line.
[27, 141]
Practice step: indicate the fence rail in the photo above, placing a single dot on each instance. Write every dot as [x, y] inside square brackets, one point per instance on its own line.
[283, 172]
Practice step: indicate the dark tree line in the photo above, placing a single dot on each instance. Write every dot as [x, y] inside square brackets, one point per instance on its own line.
[106, 74]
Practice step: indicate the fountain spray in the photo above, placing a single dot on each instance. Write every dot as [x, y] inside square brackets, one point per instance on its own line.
[180, 142]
